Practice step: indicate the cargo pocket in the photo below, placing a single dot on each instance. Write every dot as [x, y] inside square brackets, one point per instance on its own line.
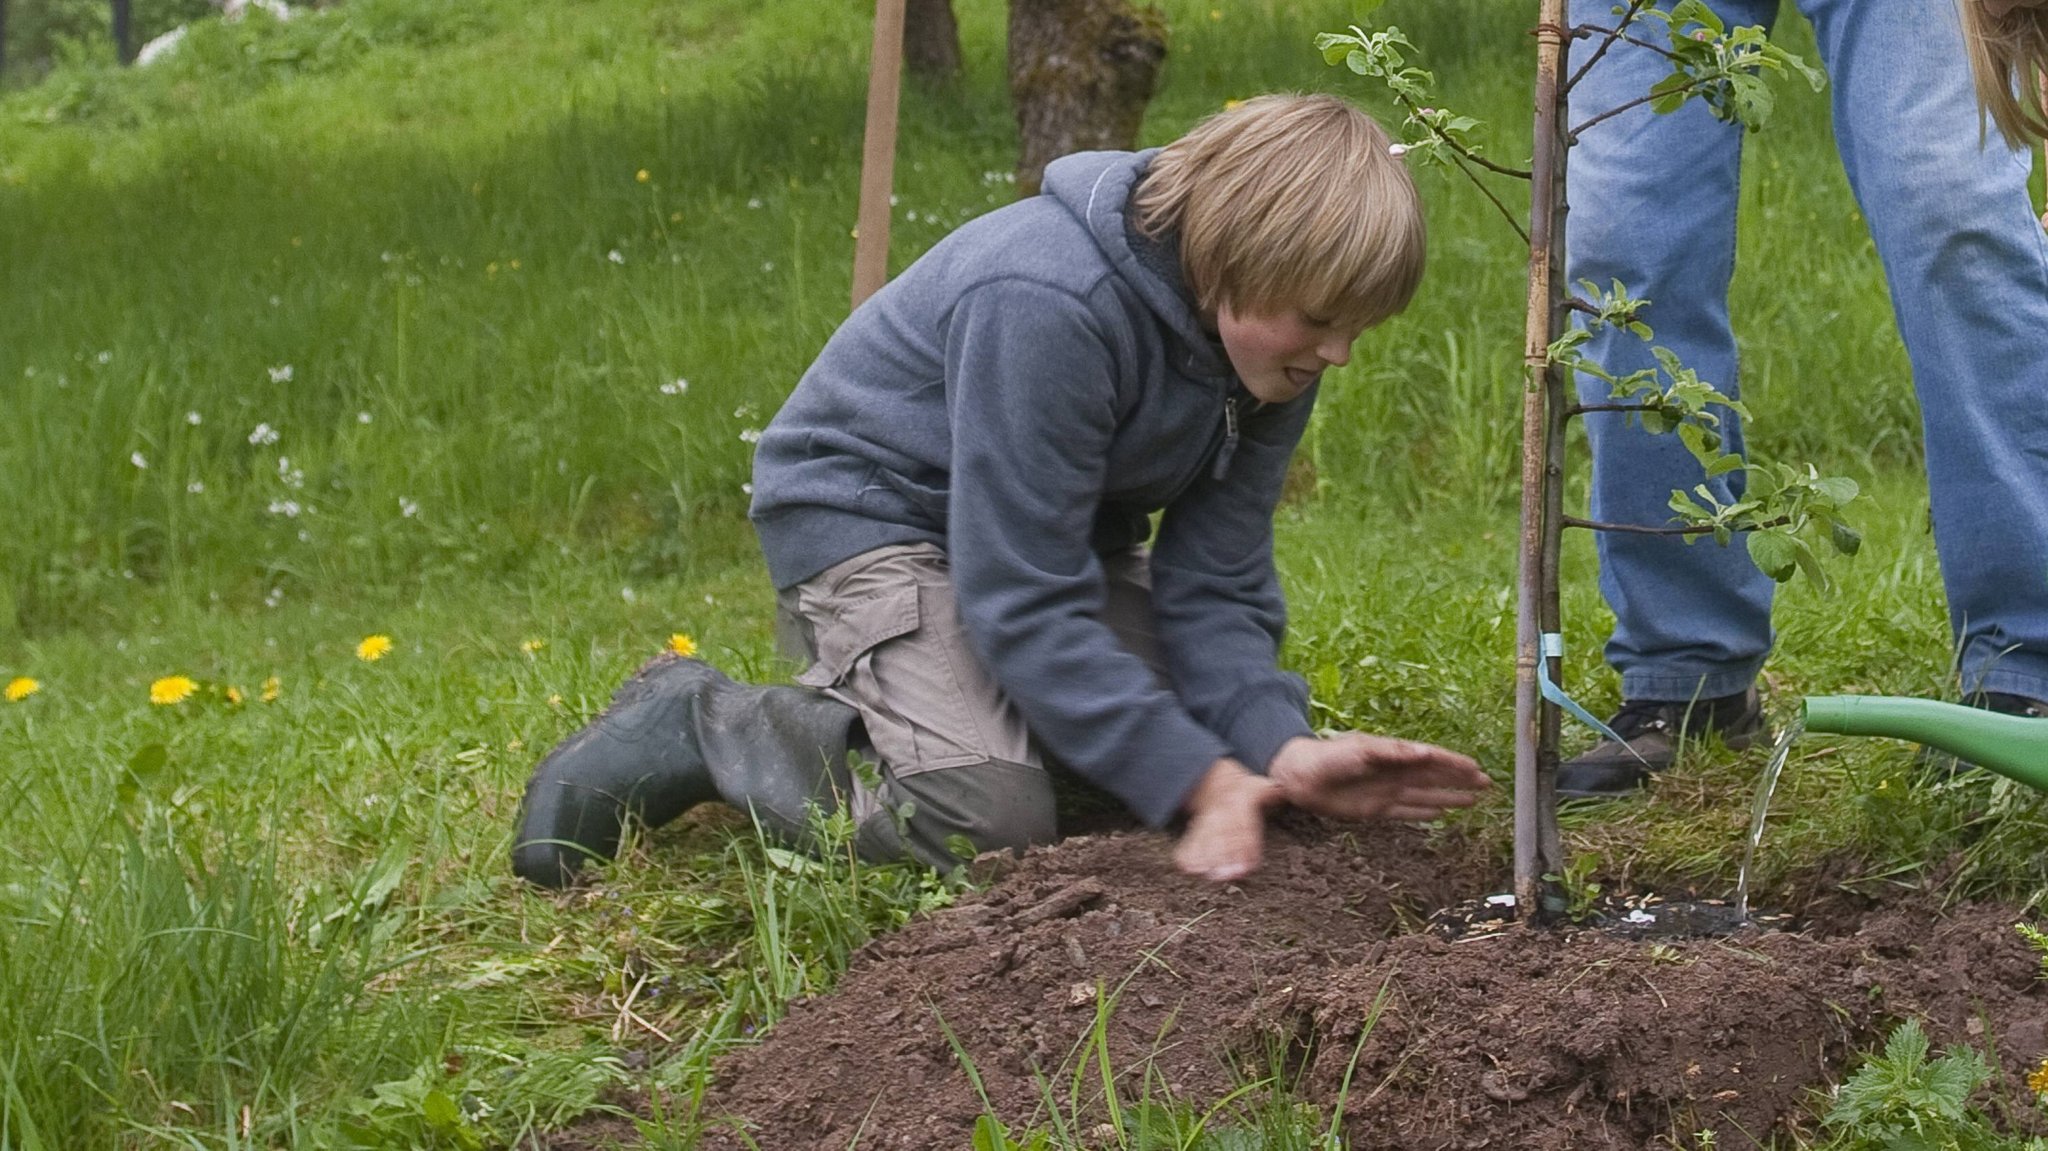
[847, 637]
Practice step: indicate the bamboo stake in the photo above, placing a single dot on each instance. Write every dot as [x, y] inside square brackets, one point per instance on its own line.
[1536, 836]
[878, 153]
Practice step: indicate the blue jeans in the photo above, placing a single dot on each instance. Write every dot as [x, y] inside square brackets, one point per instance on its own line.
[1653, 203]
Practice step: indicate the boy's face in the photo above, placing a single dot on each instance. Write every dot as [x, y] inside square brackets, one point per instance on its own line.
[1280, 356]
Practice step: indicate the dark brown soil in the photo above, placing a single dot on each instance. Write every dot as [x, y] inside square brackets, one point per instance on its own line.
[1501, 1038]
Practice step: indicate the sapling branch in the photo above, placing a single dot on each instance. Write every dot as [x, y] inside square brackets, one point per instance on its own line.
[1611, 113]
[1644, 530]
[1582, 409]
[1488, 193]
[1635, 8]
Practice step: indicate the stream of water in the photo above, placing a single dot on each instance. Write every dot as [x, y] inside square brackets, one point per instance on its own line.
[1764, 792]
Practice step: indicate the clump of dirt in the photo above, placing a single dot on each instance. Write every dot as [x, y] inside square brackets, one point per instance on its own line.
[1503, 1038]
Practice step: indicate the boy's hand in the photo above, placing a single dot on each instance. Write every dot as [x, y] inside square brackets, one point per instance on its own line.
[1357, 776]
[1226, 822]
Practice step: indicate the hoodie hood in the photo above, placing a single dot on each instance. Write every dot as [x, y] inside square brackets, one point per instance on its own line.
[1097, 188]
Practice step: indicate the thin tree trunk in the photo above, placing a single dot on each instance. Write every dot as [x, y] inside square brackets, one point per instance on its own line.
[1081, 73]
[124, 36]
[1536, 611]
[931, 41]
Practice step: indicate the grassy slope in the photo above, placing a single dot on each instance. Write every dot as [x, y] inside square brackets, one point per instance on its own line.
[417, 212]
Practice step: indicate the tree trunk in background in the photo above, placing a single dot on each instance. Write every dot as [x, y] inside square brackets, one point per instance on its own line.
[124, 36]
[931, 40]
[1081, 73]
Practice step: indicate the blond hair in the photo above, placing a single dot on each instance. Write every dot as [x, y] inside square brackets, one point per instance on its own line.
[1289, 201]
[2008, 45]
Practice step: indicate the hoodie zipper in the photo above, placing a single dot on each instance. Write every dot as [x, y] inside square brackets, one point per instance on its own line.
[1229, 448]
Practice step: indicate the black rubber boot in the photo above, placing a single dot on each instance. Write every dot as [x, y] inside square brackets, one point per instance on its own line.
[677, 734]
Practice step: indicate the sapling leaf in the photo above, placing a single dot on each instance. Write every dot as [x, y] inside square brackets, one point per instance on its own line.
[1838, 489]
[1846, 539]
[1696, 12]
[1668, 95]
[1722, 465]
[1775, 553]
[1689, 509]
[1694, 437]
[1810, 563]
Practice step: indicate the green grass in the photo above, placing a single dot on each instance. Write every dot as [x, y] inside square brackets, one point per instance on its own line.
[291, 923]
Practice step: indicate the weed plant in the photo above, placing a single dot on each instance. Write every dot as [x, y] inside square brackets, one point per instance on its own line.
[452, 323]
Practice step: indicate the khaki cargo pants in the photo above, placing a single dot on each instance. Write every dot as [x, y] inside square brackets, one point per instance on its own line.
[882, 633]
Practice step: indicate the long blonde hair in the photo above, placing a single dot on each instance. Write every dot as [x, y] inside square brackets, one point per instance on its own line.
[1289, 201]
[2008, 45]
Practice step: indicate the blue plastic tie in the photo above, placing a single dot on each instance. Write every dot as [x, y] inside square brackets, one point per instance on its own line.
[1553, 648]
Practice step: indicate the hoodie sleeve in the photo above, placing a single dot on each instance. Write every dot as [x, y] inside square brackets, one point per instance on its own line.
[1216, 593]
[1033, 401]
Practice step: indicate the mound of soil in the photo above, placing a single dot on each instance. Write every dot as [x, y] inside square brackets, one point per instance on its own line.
[1501, 1038]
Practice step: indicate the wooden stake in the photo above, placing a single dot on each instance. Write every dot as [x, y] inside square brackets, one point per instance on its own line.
[878, 153]
[1536, 610]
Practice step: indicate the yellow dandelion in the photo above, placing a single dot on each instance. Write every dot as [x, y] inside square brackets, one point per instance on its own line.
[642, 176]
[515, 265]
[555, 701]
[533, 645]
[172, 689]
[682, 644]
[2037, 1079]
[373, 648]
[21, 687]
[232, 694]
[1215, 13]
[272, 688]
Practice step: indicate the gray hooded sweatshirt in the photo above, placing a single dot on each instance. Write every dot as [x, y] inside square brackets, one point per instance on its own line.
[1025, 396]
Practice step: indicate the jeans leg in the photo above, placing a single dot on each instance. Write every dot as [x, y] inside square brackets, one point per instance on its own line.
[1653, 201]
[1967, 265]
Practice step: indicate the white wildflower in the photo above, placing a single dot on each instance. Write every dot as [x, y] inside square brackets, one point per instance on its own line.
[264, 434]
[362, 417]
[193, 418]
[195, 487]
[282, 374]
[285, 508]
[750, 435]
[407, 507]
[754, 202]
[615, 256]
[105, 357]
[138, 459]
[675, 387]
